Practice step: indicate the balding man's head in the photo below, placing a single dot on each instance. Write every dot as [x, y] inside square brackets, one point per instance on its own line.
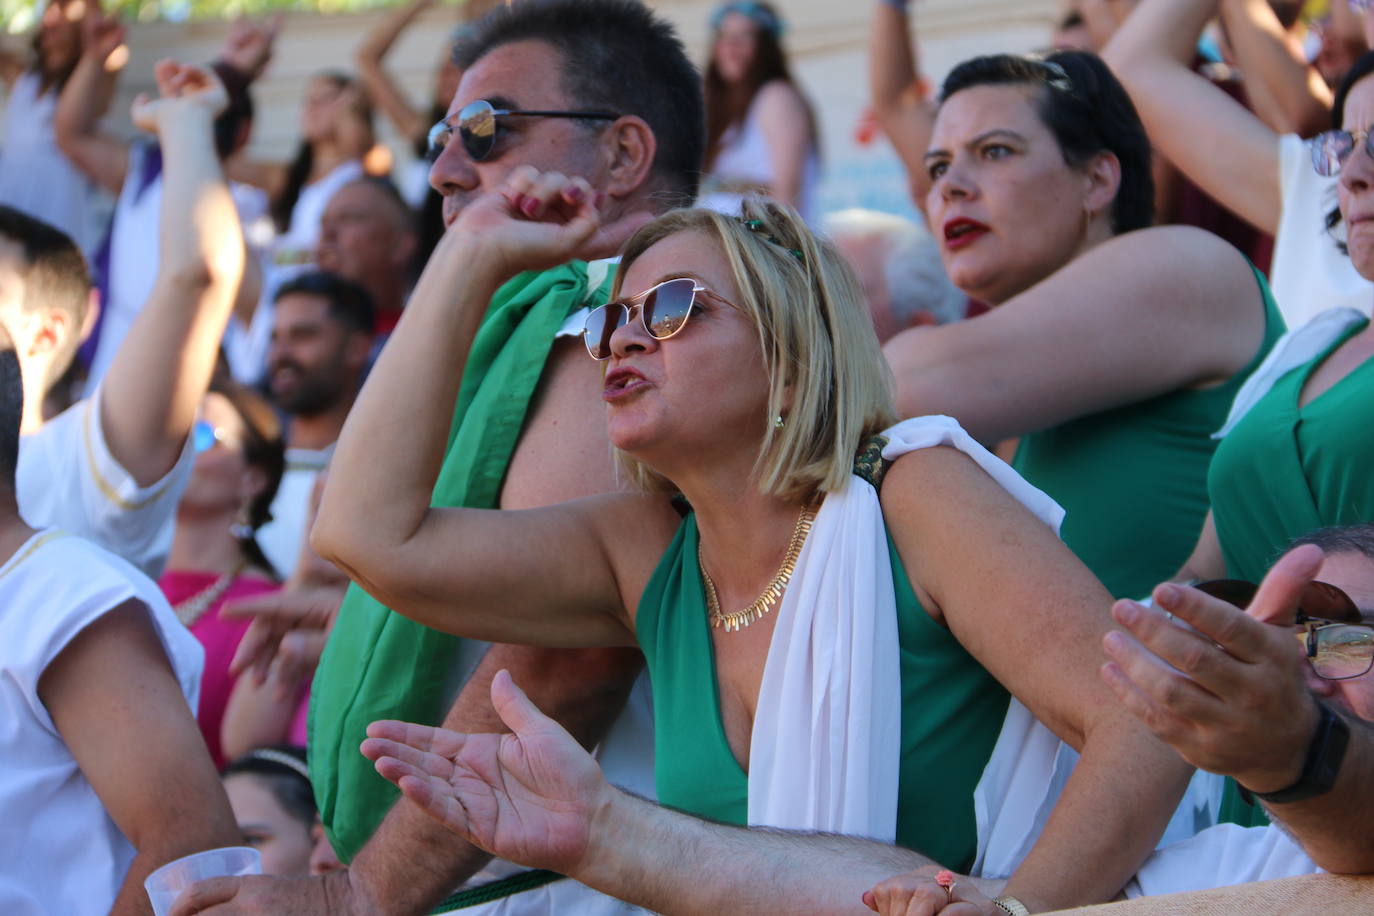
[368, 235]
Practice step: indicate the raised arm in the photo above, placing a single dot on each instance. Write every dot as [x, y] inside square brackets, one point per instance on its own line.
[154, 386]
[76, 122]
[1113, 327]
[894, 82]
[1032, 614]
[115, 701]
[1278, 79]
[539, 576]
[382, 89]
[1207, 135]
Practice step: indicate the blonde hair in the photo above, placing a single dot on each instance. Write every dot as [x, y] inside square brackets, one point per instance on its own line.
[817, 338]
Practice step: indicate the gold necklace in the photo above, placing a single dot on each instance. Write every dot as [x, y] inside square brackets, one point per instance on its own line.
[190, 610]
[771, 594]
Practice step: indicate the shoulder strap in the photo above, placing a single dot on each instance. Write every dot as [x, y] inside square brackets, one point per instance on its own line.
[870, 464]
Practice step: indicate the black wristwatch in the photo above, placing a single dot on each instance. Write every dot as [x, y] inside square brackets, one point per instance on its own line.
[1321, 766]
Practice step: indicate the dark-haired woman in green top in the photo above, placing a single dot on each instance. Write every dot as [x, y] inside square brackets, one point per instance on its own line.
[1113, 349]
[1299, 457]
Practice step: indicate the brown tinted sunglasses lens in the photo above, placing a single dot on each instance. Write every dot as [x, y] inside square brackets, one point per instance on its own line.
[1321, 600]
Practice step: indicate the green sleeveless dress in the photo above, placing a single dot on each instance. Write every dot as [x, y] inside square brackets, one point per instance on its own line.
[1284, 470]
[1133, 480]
[952, 712]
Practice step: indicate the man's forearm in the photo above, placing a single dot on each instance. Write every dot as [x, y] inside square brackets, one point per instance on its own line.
[1337, 827]
[412, 862]
[673, 863]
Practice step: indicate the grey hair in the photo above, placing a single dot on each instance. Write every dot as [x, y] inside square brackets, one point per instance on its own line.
[1336, 539]
[916, 279]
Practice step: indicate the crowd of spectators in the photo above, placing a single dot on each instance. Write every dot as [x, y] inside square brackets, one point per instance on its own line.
[665, 543]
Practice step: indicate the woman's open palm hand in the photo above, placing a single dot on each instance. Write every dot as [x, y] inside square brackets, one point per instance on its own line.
[528, 797]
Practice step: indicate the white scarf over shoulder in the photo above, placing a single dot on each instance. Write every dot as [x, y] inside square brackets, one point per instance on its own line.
[826, 743]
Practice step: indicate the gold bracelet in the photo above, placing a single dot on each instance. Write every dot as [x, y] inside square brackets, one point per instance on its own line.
[1011, 906]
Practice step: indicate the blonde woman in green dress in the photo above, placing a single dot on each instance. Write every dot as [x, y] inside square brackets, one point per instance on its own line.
[744, 375]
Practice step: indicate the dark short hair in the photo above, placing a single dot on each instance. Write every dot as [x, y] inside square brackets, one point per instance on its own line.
[55, 275]
[349, 303]
[617, 56]
[11, 411]
[1336, 539]
[283, 768]
[1087, 110]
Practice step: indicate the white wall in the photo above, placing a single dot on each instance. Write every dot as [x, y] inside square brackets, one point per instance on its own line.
[826, 40]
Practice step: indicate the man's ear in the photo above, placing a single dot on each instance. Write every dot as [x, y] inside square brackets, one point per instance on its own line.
[628, 148]
[54, 325]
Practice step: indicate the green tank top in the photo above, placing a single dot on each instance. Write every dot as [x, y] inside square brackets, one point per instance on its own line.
[952, 712]
[1285, 470]
[1133, 479]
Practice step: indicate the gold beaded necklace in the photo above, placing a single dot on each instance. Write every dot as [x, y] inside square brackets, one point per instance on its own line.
[771, 594]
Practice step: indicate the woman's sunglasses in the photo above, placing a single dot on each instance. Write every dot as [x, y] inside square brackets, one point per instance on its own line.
[204, 435]
[1331, 149]
[663, 311]
[478, 125]
[1338, 645]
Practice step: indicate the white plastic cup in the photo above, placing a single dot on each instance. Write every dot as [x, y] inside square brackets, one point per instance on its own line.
[165, 884]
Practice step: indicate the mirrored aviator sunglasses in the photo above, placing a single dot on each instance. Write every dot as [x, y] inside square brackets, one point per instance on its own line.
[1338, 644]
[477, 125]
[663, 311]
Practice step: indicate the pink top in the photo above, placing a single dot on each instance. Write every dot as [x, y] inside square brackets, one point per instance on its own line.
[219, 638]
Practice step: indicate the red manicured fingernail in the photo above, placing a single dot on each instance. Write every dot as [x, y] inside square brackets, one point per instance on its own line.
[530, 206]
[573, 194]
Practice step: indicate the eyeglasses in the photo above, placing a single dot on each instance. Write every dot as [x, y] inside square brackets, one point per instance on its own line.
[663, 312]
[204, 435]
[1337, 644]
[1331, 149]
[478, 125]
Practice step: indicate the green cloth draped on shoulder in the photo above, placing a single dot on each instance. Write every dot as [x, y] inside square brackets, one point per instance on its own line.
[952, 712]
[378, 664]
[1133, 480]
[1286, 469]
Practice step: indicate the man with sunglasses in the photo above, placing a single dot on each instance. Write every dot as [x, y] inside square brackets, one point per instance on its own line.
[601, 90]
[1283, 708]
